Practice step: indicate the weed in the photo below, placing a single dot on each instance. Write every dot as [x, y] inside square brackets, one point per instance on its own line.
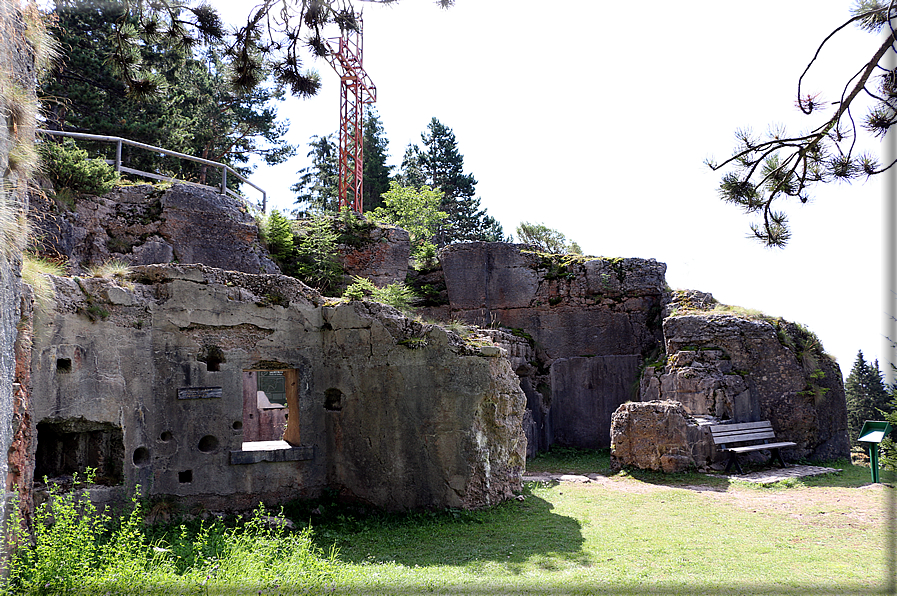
[35, 272]
[115, 270]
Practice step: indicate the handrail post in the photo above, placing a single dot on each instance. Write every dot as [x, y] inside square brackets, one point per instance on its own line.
[264, 200]
[224, 180]
[118, 156]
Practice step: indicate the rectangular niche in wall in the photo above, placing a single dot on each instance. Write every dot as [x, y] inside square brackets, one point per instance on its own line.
[271, 406]
[66, 447]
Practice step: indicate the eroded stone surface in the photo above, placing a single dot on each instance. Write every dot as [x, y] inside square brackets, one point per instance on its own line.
[658, 435]
[739, 369]
[143, 225]
[400, 414]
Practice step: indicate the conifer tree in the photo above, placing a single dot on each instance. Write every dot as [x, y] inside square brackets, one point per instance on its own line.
[318, 187]
[377, 174]
[867, 396]
[197, 114]
[439, 164]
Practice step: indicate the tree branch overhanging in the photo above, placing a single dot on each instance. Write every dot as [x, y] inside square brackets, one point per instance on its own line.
[782, 166]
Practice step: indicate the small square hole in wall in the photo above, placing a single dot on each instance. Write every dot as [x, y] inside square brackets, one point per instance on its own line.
[185, 477]
[63, 365]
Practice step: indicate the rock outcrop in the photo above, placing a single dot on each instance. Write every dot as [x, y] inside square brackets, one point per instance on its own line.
[745, 369]
[146, 224]
[590, 322]
[390, 411]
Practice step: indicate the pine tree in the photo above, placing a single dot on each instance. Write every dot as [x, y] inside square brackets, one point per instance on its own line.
[867, 396]
[768, 170]
[197, 114]
[377, 174]
[439, 164]
[318, 187]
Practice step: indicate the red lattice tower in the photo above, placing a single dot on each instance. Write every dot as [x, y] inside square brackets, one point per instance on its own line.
[356, 90]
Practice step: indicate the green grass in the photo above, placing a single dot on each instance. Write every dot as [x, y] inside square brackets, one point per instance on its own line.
[625, 533]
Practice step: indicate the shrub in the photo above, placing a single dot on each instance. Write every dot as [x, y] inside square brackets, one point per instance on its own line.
[69, 167]
[396, 295]
[316, 251]
[278, 235]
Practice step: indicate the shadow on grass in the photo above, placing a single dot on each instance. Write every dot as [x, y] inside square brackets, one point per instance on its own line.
[510, 534]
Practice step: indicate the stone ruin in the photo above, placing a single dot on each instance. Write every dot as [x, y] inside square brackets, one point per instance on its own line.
[222, 386]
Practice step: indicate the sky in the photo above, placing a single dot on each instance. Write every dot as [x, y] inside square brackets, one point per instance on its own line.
[596, 117]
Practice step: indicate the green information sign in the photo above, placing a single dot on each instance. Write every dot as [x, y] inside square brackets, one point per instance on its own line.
[273, 383]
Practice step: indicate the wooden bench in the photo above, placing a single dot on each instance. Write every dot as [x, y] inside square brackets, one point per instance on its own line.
[730, 438]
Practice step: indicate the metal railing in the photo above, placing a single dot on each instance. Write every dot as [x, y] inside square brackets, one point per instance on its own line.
[116, 163]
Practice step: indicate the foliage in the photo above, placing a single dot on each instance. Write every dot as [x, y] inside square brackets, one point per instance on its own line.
[74, 548]
[867, 396]
[277, 232]
[359, 289]
[396, 295]
[545, 239]
[316, 253]
[376, 173]
[318, 186]
[275, 35]
[415, 210]
[440, 165]
[192, 110]
[68, 166]
[781, 165]
[317, 189]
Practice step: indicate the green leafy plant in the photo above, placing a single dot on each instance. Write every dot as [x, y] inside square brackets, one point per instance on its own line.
[415, 210]
[316, 253]
[68, 166]
[545, 239]
[397, 295]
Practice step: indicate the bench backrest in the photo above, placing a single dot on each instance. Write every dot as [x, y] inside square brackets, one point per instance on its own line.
[742, 432]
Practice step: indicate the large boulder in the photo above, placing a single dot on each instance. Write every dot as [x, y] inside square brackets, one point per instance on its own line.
[658, 435]
[590, 321]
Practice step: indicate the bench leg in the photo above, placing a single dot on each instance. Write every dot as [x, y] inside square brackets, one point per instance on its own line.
[733, 460]
[776, 455]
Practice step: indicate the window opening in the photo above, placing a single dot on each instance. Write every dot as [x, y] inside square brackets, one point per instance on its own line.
[268, 398]
[66, 447]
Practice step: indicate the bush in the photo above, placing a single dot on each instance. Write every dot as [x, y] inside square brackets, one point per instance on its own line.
[69, 167]
[74, 548]
[396, 295]
[316, 251]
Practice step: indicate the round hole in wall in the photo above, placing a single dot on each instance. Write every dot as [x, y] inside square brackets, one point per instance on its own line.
[141, 457]
[208, 444]
[237, 425]
[166, 436]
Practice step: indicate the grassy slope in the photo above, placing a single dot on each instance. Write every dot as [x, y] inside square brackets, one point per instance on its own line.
[583, 538]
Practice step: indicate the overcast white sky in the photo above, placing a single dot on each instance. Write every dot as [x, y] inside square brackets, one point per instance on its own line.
[594, 117]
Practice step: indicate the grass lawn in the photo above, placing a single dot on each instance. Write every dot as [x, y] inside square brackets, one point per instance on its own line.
[627, 533]
[609, 533]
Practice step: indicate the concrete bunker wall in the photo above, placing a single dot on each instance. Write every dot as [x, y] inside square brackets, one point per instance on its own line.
[395, 423]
